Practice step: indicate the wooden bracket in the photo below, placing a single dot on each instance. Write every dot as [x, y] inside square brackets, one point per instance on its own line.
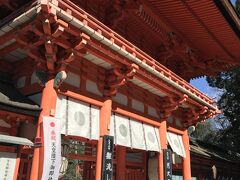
[167, 105]
[81, 42]
[192, 116]
[118, 77]
[66, 60]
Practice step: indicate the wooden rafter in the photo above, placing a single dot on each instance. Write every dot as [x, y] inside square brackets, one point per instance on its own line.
[9, 49]
[7, 4]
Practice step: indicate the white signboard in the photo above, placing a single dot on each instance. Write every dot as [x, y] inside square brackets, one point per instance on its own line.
[7, 165]
[52, 148]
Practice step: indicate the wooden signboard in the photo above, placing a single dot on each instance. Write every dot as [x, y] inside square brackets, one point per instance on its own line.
[107, 158]
[167, 155]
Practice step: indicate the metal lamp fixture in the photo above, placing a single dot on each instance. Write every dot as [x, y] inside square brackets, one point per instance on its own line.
[65, 149]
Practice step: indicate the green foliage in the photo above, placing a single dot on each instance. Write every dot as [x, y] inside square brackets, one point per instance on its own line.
[206, 132]
[229, 103]
[71, 171]
[238, 6]
[202, 132]
[75, 147]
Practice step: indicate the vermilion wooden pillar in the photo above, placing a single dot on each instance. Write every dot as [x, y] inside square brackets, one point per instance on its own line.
[105, 116]
[49, 98]
[121, 163]
[186, 161]
[163, 140]
[99, 159]
[15, 176]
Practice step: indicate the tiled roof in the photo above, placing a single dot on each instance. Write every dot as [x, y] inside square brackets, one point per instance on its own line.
[210, 151]
[12, 100]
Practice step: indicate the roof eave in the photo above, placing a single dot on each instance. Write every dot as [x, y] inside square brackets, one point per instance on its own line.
[230, 14]
[28, 112]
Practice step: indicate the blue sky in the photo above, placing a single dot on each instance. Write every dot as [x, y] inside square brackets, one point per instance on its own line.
[203, 86]
[233, 1]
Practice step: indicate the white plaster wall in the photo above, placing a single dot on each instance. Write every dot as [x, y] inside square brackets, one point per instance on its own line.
[152, 111]
[137, 105]
[21, 82]
[92, 87]
[73, 79]
[28, 130]
[121, 99]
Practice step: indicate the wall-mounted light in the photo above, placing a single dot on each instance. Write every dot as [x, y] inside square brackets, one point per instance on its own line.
[191, 129]
[59, 78]
[65, 150]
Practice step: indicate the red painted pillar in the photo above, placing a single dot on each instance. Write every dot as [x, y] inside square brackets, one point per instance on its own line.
[15, 176]
[121, 163]
[163, 140]
[187, 160]
[105, 116]
[99, 159]
[49, 97]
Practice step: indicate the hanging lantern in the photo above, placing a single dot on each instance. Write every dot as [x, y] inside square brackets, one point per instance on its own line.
[78, 170]
[63, 167]
[176, 159]
[65, 149]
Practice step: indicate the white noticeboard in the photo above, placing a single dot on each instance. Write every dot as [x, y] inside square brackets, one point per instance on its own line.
[7, 165]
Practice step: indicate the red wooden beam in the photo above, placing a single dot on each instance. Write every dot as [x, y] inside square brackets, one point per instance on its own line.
[8, 149]
[47, 27]
[7, 4]
[15, 116]
[82, 157]
[9, 48]
[5, 130]
[5, 66]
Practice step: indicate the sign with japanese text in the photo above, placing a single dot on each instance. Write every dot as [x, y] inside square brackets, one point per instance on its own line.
[7, 165]
[107, 158]
[52, 148]
[167, 156]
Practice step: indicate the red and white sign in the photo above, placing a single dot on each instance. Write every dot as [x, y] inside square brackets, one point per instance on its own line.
[52, 148]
